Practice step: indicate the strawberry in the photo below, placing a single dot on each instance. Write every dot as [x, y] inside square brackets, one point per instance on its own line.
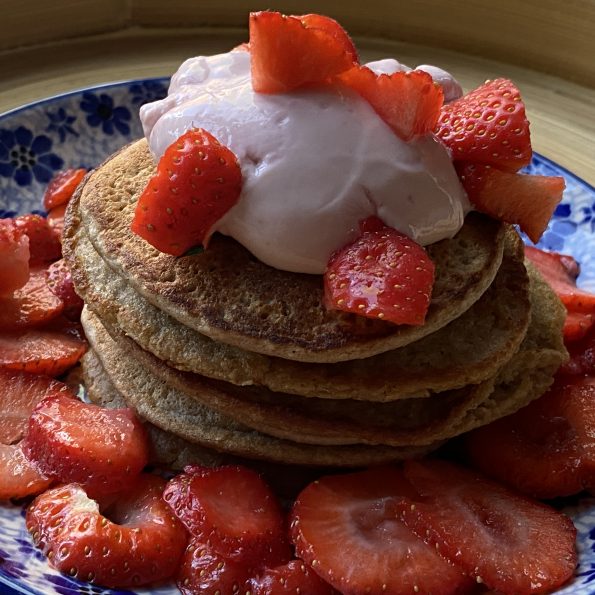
[409, 102]
[137, 542]
[101, 449]
[288, 52]
[56, 219]
[512, 544]
[383, 274]
[19, 477]
[232, 509]
[198, 180]
[49, 351]
[59, 281]
[20, 393]
[582, 357]
[44, 242]
[487, 126]
[290, 579]
[204, 571]
[62, 187]
[31, 305]
[546, 449]
[515, 198]
[345, 527]
[14, 257]
[577, 325]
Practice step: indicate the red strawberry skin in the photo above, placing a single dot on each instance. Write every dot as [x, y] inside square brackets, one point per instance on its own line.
[59, 281]
[14, 257]
[198, 180]
[141, 543]
[290, 52]
[346, 528]
[488, 126]
[409, 102]
[383, 274]
[294, 577]
[510, 543]
[62, 187]
[44, 241]
[103, 450]
[527, 200]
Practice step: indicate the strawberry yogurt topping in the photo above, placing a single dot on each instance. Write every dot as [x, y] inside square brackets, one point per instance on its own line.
[315, 162]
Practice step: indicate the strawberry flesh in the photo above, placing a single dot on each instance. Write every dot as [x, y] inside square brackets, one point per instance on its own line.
[294, 577]
[44, 241]
[61, 188]
[510, 543]
[383, 274]
[138, 542]
[56, 219]
[59, 281]
[345, 527]
[103, 450]
[198, 180]
[487, 126]
[19, 477]
[14, 257]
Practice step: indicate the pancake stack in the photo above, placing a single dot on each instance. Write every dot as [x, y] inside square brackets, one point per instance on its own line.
[224, 356]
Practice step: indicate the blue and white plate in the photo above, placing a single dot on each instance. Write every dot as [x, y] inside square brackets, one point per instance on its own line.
[80, 129]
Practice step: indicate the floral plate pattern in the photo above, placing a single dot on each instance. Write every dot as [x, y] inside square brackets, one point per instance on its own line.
[80, 129]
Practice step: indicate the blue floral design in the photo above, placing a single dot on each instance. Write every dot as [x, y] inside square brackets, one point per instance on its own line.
[65, 585]
[147, 91]
[102, 112]
[24, 156]
[61, 123]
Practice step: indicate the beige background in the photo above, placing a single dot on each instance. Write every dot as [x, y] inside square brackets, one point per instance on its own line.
[546, 46]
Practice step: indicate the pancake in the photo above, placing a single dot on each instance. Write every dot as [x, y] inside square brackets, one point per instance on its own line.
[469, 350]
[228, 295]
[178, 414]
[401, 423]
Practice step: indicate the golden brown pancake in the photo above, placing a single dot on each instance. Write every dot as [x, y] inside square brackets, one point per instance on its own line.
[228, 295]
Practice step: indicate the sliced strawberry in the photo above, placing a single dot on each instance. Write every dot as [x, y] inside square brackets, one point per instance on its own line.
[488, 126]
[289, 579]
[14, 257]
[204, 571]
[577, 325]
[515, 198]
[44, 242]
[232, 509]
[289, 52]
[20, 393]
[19, 477]
[409, 102]
[582, 357]
[31, 305]
[512, 544]
[383, 274]
[62, 187]
[101, 449]
[59, 281]
[56, 219]
[345, 527]
[198, 180]
[137, 542]
[546, 449]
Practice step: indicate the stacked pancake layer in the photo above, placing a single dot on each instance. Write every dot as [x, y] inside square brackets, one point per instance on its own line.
[222, 354]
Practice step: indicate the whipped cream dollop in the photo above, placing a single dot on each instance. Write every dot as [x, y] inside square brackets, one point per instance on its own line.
[314, 162]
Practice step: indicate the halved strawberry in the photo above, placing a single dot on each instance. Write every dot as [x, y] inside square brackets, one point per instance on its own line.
[49, 351]
[546, 449]
[19, 477]
[488, 126]
[345, 527]
[204, 571]
[31, 305]
[19, 394]
[577, 325]
[198, 180]
[101, 449]
[512, 544]
[383, 274]
[291, 51]
[137, 542]
[59, 281]
[56, 219]
[14, 257]
[231, 508]
[62, 187]
[294, 577]
[409, 102]
[44, 242]
[515, 198]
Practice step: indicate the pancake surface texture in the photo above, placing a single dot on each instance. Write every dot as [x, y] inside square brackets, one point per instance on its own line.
[231, 297]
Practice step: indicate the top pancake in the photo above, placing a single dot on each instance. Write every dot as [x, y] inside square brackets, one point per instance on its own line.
[228, 295]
